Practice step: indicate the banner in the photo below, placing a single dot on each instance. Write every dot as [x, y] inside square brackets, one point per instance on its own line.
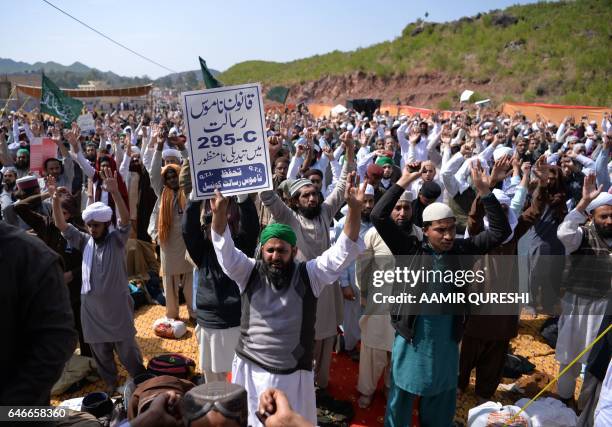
[87, 123]
[41, 149]
[278, 94]
[56, 103]
[554, 112]
[228, 148]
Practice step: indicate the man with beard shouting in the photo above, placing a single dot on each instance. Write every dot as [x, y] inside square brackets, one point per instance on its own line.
[311, 221]
[279, 295]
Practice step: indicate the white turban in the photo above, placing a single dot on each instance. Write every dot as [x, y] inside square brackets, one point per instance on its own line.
[501, 152]
[601, 200]
[170, 152]
[98, 212]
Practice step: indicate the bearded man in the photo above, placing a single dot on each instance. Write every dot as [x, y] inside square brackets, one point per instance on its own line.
[279, 295]
[107, 310]
[588, 288]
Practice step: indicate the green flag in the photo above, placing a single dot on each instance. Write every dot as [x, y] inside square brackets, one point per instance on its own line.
[209, 81]
[278, 94]
[56, 103]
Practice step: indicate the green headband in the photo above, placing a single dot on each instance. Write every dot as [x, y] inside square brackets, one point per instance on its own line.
[279, 231]
[384, 160]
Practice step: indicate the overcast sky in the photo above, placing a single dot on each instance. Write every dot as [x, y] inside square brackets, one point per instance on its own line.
[224, 33]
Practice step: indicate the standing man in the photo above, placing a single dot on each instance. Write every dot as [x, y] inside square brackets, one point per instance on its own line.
[588, 285]
[425, 357]
[166, 222]
[107, 310]
[279, 296]
[311, 222]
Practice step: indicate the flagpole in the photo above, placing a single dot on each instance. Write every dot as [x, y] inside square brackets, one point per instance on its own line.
[9, 98]
[24, 103]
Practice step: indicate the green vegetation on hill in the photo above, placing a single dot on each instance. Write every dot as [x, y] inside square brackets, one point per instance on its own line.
[558, 52]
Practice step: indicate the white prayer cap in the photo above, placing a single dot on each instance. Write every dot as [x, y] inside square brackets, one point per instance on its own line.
[396, 123]
[571, 138]
[343, 126]
[403, 118]
[127, 129]
[593, 122]
[487, 125]
[170, 152]
[437, 211]
[501, 197]
[369, 190]
[350, 127]
[98, 212]
[173, 132]
[484, 132]
[368, 131]
[601, 200]
[407, 196]
[6, 169]
[501, 152]
[136, 150]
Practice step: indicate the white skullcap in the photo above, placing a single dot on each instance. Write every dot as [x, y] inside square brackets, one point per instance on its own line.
[407, 196]
[396, 123]
[487, 125]
[136, 150]
[350, 127]
[170, 152]
[127, 129]
[572, 138]
[501, 197]
[369, 190]
[6, 169]
[501, 152]
[484, 132]
[98, 212]
[602, 200]
[343, 126]
[368, 131]
[403, 118]
[437, 211]
[173, 132]
[593, 122]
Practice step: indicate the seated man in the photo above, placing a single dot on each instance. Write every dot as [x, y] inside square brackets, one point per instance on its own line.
[279, 297]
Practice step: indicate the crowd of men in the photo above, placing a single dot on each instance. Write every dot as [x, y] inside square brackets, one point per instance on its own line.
[269, 279]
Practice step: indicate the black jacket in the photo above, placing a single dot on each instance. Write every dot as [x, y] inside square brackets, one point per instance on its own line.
[401, 242]
[217, 296]
[39, 335]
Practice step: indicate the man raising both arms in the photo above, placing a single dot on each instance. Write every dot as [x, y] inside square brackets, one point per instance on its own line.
[279, 297]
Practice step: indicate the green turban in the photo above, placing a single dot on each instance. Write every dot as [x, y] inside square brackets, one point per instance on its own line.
[279, 231]
[23, 151]
[384, 160]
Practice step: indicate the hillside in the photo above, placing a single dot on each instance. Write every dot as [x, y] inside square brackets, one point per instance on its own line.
[69, 76]
[549, 52]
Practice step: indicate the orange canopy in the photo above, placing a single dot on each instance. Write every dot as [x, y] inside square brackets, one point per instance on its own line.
[553, 112]
[34, 91]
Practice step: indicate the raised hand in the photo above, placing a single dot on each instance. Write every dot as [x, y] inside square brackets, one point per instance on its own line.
[218, 204]
[500, 170]
[414, 135]
[110, 180]
[354, 193]
[51, 185]
[589, 189]
[526, 168]
[274, 147]
[480, 178]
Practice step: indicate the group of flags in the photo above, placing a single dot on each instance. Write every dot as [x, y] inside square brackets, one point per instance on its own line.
[56, 103]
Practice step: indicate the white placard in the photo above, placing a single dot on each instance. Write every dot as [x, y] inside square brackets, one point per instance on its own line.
[86, 123]
[227, 148]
